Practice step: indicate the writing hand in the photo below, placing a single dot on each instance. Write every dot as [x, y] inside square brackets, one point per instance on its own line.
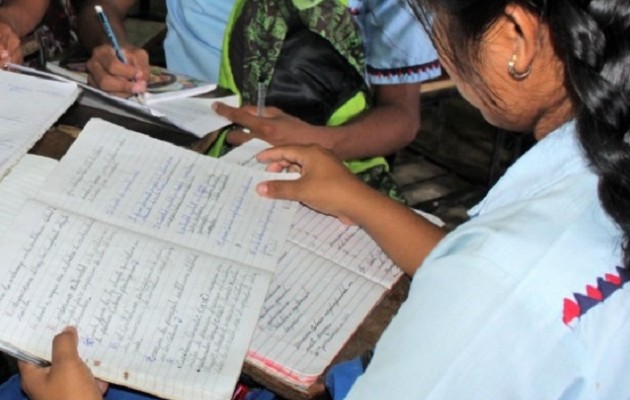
[275, 127]
[67, 379]
[325, 184]
[108, 73]
[10, 50]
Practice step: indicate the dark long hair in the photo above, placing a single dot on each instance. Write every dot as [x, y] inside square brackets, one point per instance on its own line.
[592, 38]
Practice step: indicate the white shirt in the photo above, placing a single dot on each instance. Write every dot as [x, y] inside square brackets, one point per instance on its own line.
[492, 312]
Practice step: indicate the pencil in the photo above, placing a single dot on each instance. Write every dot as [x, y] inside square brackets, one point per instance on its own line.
[262, 94]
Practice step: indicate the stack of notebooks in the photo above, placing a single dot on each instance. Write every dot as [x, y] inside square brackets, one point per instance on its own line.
[171, 266]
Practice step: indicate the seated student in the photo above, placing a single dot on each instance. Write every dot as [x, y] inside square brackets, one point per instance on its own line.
[530, 298]
[399, 55]
[49, 24]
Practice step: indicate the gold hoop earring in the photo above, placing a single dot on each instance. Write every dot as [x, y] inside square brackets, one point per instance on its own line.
[516, 75]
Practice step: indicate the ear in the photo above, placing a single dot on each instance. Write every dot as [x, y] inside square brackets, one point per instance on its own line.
[524, 29]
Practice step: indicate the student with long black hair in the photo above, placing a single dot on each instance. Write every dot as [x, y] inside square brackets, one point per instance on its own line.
[529, 299]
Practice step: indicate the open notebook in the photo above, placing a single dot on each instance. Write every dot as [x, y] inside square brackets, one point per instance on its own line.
[160, 256]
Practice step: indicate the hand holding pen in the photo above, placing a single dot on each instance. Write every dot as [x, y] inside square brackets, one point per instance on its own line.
[122, 70]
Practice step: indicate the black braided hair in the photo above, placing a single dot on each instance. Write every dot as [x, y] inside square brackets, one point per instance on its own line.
[592, 38]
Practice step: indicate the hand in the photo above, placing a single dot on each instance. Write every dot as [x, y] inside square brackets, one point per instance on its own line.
[67, 379]
[325, 184]
[275, 127]
[109, 74]
[10, 50]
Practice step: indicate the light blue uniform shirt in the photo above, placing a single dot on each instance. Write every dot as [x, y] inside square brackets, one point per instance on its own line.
[195, 35]
[397, 48]
[525, 301]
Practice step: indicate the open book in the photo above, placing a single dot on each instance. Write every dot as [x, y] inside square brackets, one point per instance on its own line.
[160, 256]
[28, 107]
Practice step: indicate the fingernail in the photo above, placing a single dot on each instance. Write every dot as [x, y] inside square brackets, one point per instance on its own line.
[262, 189]
[214, 106]
[138, 87]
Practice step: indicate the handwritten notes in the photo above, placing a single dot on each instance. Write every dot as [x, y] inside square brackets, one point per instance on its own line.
[329, 278]
[161, 257]
[22, 182]
[28, 107]
[327, 281]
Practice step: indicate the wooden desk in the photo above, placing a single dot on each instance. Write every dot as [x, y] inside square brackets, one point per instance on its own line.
[56, 142]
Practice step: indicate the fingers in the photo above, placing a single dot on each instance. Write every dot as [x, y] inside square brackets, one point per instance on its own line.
[237, 137]
[247, 117]
[280, 189]
[108, 73]
[65, 346]
[10, 50]
[286, 154]
[240, 116]
[102, 386]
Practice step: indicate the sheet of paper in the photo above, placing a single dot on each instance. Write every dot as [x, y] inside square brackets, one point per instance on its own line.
[195, 114]
[108, 245]
[156, 188]
[329, 279]
[28, 108]
[151, 315]
[245, 154]
[22, 182]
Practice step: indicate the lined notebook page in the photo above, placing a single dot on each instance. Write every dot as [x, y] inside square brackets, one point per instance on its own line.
[329, 279]
[155, 188]
[22, 182]
[28, 107]
[166, 318]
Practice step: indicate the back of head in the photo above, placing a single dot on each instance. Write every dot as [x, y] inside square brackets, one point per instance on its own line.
[592, 41]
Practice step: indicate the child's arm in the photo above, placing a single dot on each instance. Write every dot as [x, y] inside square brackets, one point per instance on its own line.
[327, 186]
[18, 18]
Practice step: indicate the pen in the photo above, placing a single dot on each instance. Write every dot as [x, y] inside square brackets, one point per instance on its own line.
[113, 40]
[262, 94]
[13, 351]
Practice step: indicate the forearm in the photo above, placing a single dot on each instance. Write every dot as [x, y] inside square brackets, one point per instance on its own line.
[384, 129]
[406, 237]
[23, 15]
[91, 32]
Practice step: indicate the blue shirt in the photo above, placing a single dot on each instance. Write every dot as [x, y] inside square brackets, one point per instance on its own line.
[397, 47]
[194, 36]
[527, 300]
